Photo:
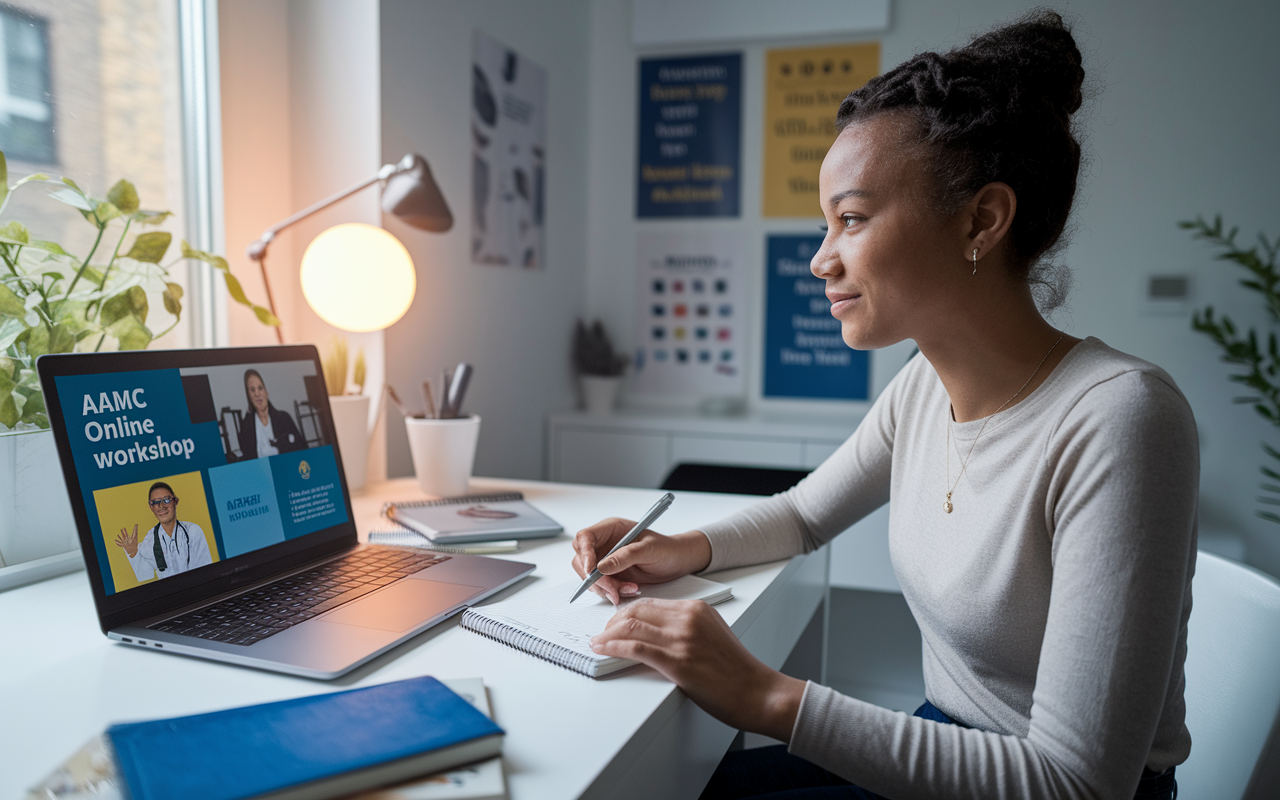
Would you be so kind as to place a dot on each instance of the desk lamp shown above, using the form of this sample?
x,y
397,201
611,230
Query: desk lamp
x,y
380,293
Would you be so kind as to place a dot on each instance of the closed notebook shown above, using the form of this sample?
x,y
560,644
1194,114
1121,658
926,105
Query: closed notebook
x,y
322,746
474,518
543,623
483,780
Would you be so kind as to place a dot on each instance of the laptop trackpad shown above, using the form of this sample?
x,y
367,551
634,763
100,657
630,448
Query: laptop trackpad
x,y
403,605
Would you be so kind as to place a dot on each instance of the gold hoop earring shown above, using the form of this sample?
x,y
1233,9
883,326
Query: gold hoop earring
x,y
975,261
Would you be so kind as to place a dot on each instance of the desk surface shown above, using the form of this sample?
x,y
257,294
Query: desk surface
x,y
62,681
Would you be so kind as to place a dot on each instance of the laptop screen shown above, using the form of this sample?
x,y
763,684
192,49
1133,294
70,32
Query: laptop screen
x,y
185,467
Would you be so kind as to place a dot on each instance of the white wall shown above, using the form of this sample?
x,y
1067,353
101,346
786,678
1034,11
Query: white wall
x,y
513,326
1183,123
301,121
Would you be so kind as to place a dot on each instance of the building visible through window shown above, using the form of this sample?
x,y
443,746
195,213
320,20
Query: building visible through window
x,y
26,113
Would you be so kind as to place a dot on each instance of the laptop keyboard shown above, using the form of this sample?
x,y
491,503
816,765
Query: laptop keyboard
x,y
255,615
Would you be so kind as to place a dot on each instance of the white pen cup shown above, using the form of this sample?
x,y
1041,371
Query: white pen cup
x,y
443,451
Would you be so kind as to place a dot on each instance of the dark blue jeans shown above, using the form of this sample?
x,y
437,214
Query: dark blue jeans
x,y
771,773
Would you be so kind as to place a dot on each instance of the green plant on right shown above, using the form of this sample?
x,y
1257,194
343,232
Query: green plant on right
x,y
1259,361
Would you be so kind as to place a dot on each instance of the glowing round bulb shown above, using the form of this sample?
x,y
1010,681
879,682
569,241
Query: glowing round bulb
x,y
358,277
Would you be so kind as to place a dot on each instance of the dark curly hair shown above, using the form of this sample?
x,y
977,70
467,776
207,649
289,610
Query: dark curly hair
x,y
997,109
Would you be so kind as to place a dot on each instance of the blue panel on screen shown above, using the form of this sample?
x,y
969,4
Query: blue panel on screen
x,y
309,494
247,507
804,354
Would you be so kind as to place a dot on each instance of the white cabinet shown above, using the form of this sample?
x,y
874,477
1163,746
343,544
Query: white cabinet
x,y
611,457
639,449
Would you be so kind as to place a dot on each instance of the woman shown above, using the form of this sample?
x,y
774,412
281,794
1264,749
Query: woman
x,y
171,547
266,430
1043,488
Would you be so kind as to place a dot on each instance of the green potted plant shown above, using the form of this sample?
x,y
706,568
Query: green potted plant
x,y
116,296
598,366
1255,353
351,422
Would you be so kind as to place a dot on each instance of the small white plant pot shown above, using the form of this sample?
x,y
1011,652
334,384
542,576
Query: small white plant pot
x,y
444,452
351,424
600,393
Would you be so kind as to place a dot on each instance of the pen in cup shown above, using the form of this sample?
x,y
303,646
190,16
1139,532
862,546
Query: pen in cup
x,y
428,400
656,511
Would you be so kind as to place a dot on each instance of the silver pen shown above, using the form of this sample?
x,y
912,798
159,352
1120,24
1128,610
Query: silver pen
x,y
662,505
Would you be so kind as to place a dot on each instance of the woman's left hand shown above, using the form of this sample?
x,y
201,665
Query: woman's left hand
x,y
689,643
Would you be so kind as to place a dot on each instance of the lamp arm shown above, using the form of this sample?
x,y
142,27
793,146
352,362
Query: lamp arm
x,y
257,250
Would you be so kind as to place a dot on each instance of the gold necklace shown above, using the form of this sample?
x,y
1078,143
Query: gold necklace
x,y
946,504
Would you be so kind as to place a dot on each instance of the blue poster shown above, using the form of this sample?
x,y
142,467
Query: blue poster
x,y
804,354
690,136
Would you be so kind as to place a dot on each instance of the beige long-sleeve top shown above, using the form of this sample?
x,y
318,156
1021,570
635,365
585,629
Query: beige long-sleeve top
x,y
1052,602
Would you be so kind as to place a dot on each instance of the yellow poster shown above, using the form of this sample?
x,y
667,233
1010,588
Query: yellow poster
x,y
803,90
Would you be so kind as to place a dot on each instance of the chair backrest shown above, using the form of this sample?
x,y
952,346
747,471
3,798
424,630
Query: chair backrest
x,y
1233,677
725,479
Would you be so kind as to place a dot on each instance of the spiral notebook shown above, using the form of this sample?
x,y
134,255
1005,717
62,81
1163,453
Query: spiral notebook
x,y
473,518
544,623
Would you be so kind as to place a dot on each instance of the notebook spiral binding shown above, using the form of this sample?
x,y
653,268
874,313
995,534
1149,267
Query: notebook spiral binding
x,y
496,497
527,643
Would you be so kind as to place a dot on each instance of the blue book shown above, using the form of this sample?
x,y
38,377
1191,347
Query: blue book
x,y
327,745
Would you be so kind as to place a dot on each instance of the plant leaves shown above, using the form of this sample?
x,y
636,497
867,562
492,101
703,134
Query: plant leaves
x,y
14,232
233,284
41,341
104,211
10,330
52,247
8,410
132,302
4,179
73,198
123,196
151,217
33,406
150,247
172,297
10,304
131,333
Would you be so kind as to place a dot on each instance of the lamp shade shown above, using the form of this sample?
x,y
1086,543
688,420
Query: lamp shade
x,y
358,277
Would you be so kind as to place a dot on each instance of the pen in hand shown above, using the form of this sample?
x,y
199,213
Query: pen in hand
x,y
662,505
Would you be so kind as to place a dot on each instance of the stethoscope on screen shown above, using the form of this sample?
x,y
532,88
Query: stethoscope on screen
x,y
162,565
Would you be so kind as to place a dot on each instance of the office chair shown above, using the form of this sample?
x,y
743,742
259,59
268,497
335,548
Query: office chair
x,y
1233,677
724,479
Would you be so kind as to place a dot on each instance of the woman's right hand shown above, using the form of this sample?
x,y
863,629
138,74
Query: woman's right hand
x,y
651,558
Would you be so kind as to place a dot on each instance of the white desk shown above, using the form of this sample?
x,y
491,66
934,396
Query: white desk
x,y
62,681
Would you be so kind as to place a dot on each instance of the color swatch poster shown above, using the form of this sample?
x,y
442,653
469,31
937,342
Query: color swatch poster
x,y
803,90
689,315
508,156
804,353
690,137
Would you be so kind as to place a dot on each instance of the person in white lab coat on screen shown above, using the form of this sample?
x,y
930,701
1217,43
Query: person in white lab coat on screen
x,y
171,547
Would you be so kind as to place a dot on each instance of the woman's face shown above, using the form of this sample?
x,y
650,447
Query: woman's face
x,y
890,262
257,393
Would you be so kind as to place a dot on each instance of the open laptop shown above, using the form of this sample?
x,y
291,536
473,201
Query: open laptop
x,y
214,515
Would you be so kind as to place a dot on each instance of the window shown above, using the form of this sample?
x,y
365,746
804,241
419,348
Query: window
x,y
26,115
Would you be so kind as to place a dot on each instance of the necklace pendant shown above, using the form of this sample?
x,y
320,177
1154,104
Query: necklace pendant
x,y
946,504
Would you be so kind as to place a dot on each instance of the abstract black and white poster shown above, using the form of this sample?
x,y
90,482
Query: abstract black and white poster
x,y
508,164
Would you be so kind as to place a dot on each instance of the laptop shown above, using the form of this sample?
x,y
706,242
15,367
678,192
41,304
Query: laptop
x,y
215,519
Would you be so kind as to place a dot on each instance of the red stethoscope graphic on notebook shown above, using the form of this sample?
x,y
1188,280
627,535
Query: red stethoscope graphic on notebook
x,y
481,512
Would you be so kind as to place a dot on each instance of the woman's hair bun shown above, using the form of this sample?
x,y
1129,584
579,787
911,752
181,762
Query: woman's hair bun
x,y
997,109
1038,59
